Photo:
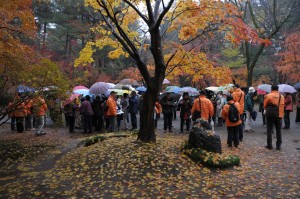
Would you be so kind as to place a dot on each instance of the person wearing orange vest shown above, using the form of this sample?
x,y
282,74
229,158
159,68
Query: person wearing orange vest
x,y
158,110
20,114
239,96
39,111
207,109
29,117
112,111
288,107
273,98
232,127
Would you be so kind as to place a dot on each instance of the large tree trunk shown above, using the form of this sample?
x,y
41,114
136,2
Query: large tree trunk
x,y
249,76
147,131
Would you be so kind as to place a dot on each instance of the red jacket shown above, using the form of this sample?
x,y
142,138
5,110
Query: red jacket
x,y
288,103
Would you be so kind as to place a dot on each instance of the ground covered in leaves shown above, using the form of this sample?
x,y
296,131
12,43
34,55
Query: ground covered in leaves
x,y
120,167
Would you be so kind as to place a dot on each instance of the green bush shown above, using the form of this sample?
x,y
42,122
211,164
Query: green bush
x,y
93,140
210,159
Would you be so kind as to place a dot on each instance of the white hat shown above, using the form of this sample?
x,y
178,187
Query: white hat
x,y
251,90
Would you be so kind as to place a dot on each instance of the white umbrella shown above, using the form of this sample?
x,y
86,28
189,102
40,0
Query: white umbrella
x,y
265,87
111,85
285,88
166,81
213,88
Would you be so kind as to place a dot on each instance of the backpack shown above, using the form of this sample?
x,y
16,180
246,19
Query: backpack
x,y
272,111
233,113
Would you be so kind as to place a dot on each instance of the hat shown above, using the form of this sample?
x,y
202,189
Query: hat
x,y
251,90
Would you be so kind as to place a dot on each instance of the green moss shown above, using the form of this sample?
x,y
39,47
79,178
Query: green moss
x,y
93,140
209,159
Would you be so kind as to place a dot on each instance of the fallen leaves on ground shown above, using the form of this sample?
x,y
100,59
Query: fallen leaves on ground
x,y
123,168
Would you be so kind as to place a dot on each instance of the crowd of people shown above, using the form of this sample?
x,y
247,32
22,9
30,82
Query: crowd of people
x,y
235,109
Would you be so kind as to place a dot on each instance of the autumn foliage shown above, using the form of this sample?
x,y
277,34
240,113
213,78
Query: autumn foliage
x,y
289,58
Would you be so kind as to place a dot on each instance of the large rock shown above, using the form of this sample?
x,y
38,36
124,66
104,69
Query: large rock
x,y
201,136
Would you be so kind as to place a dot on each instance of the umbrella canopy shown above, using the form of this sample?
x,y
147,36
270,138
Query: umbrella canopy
x,y
213,88
99,88
265,87
141,89
285,88
297,85
80,87
119,91
166,81
111,85
227,87
131,82
190,90
124,87
174,89
261,92
174,96
25,89
82,92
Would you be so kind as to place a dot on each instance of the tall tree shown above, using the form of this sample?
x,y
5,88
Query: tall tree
x,y
192,19
267,17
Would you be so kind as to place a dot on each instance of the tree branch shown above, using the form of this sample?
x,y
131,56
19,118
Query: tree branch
x,y
163,13
137,11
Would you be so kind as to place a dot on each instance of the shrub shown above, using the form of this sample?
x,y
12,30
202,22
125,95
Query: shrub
x,y
93,140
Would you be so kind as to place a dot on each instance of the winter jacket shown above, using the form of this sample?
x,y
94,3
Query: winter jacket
x,y
28,106
39,107
112,106
134,104
239,96
168,105
225,113
207,109
69,109
185,107
97,107
20,110
158,108
86,108
273,98
249,102
288,103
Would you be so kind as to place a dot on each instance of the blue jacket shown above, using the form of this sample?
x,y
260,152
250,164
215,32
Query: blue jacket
x,y
134,104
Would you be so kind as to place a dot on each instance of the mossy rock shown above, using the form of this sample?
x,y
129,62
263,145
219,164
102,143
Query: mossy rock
x,y
93,140
210,159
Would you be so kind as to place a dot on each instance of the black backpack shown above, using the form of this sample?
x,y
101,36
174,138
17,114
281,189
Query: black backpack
x,y
233,113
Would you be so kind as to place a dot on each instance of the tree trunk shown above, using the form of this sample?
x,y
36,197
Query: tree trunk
x,y
44,35
147,131
249,76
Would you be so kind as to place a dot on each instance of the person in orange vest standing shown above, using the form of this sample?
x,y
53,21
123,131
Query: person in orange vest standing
x,y
39,111
20,114
112,111
231,113
203,105
274,109
239,96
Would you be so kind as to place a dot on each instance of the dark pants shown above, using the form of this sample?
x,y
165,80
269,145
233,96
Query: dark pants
x,y
119,119
241,133
187,122
233,135
12,123
287,119
298,115
98,122
263,117
133,120
20,124
106,123
168,121
87,123
71,121
112,123
270,123
175,115
28,122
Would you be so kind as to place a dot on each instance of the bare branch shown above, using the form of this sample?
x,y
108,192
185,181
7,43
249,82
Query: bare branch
x,y
163,13
137,11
